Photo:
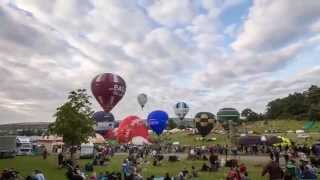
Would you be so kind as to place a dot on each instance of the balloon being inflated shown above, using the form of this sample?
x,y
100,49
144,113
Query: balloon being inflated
x,y
130,127
108,89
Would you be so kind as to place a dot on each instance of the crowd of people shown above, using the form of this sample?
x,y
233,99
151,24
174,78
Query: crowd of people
x,y
294,162
11,174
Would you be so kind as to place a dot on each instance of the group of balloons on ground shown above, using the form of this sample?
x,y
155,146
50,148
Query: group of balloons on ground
x,y
108,89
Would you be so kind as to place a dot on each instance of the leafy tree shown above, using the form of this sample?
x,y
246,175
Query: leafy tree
x,y
246,112
314,113
296,105
74,120
312,95
171,124
250,115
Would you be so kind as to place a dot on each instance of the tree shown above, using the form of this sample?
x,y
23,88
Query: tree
x,y
246,112
250,115
314,113
313,95
74,120
171,124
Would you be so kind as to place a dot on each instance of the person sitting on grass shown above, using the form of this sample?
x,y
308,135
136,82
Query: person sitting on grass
x,y
194,172
93,176
39,175
167,177
233,174
204,167
183,174
242,170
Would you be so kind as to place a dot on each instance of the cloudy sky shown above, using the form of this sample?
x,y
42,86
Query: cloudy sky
x,y
208,53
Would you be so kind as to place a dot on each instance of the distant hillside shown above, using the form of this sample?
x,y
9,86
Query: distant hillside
x,y
25,125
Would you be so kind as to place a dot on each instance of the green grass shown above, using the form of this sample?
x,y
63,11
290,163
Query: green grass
x,y
26,164
190,139
280,125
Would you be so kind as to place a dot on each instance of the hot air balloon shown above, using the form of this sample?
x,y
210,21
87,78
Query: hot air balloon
x,y
130,127
108,89
204,122
104,122
157,121
181,109
142,99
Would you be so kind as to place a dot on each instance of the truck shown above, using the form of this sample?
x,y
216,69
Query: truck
x,y
24,145
8,146
87,151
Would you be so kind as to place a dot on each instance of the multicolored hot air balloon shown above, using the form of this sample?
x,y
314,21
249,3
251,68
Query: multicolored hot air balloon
x,y
157,121
181,109
204,122
142,99
104,122
130,127
108,89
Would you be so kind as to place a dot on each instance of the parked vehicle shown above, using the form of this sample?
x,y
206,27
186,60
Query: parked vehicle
x,y
7,146
24,145
86,151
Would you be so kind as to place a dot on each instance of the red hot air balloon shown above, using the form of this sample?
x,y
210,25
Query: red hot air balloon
x,y
130,127
108,89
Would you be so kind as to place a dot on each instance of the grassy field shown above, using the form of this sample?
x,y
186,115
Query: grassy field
x,y
257,127
279,125
25,165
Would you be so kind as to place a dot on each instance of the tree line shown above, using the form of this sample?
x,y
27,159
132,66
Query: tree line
x,y
299,105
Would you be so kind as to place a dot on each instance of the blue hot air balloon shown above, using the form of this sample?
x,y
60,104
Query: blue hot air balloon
x,y
157,121
104,122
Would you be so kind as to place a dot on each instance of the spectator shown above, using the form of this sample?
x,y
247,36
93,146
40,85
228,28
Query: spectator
x,y
274,171
233,174
60,160
167,177
194,172
45,154
205,167
39,175
93,176
309,173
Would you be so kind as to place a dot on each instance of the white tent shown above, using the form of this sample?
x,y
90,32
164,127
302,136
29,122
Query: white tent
x,y
175,130
98,139
138,140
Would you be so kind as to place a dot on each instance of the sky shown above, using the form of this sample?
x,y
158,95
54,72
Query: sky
x,y
208,53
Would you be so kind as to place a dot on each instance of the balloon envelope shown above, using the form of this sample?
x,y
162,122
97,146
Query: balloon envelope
x,y
181,109
142,99
131,127
104,122
204,122
108,89
157,121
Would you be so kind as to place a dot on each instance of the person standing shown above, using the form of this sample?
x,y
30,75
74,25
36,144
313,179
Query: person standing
x,y
45,154
274,170
60,160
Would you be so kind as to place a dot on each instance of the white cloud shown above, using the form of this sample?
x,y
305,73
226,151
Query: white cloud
x,y
171,50
272,23
172,13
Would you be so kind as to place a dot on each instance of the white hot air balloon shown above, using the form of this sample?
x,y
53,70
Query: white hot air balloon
x,y
142,99
181,109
